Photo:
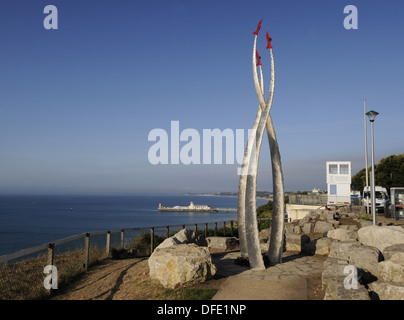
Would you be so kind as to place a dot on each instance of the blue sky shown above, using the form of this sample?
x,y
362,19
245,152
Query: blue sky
x,y
77,103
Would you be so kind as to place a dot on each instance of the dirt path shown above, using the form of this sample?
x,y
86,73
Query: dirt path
x,y
297,279
110,280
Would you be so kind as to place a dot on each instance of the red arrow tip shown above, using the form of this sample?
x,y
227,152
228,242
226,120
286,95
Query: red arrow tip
x,y
269,39
258,28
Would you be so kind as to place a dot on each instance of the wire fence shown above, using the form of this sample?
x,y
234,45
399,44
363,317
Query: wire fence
x,y
34,272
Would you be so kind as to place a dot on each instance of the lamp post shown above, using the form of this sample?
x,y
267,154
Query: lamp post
x,y
366,161
372,115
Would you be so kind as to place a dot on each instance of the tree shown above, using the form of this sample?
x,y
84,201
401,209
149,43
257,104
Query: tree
x,y
265,211
389,172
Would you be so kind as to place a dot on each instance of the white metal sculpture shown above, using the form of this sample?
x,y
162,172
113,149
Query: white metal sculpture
x,y
247,217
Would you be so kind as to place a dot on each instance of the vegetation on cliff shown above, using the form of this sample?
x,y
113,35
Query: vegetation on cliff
x,y
389,172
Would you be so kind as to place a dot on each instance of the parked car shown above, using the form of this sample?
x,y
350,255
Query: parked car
x,y
381,197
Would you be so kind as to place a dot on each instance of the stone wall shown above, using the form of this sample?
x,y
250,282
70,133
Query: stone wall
x,y
364,261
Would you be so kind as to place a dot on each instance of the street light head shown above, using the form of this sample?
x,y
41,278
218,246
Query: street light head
x,y
372,115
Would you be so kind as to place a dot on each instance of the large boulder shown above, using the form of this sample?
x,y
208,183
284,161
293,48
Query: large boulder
x,y
386,291
307,227
322,226
381,236
364,257
289,227
389,251
349,227
181,237
185,236
222,243
343,234
180,264
319,246
337,291
392,270
296,242
341,281
364,223
264,235
333,268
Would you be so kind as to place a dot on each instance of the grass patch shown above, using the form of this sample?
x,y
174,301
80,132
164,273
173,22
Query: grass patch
x,y
187,294
23,280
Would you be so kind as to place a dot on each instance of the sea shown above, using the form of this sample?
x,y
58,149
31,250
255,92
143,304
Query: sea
x,y
31,220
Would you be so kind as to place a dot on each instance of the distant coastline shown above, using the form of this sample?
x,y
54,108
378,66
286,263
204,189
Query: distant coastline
x,y
227,194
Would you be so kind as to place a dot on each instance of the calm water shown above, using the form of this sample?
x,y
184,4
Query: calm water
x,y
30,220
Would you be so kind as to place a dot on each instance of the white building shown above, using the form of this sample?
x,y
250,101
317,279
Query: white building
x,y
339,182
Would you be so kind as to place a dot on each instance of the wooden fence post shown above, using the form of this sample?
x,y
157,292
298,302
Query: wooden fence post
x,y
224,228
215,228
206,230
151,240
50,259
231,228
122,243
51,254
86,251
108,245
196,229
167,232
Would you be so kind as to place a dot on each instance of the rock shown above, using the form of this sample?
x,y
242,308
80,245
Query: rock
x,y
297,230
349,227
169,242
392,270
181,264
364,223
185,236
319,246
328,216
386,291
342,235
336,291
307,227
289,227
296,242
222,243
364,257
333,268
352,215
335,223
264,235
322,226
389,251
313,215
181,237
381,236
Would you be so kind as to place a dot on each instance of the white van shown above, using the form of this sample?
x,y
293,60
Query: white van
x,y
381,197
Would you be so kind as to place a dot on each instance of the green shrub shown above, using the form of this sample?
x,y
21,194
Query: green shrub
x,y
141,243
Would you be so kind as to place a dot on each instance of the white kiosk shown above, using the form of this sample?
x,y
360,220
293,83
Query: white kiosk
x,y
339,182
